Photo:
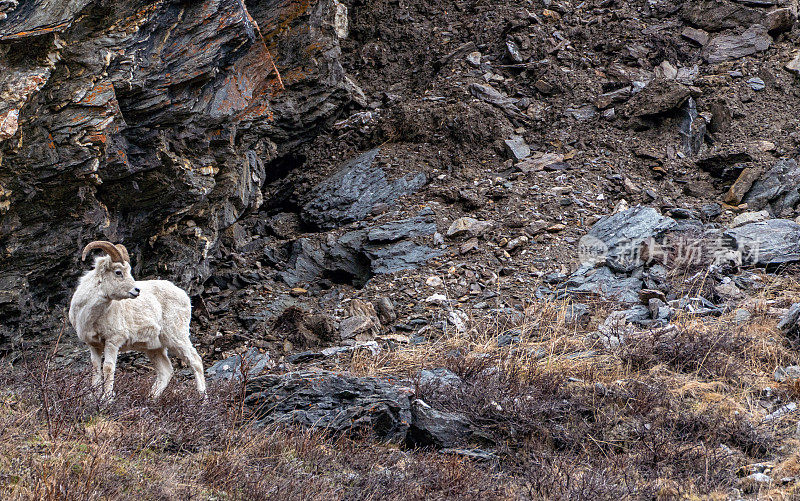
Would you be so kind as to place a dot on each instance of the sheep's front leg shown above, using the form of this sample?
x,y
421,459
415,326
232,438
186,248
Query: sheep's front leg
x,y
163,371
97,366
109,366
189,354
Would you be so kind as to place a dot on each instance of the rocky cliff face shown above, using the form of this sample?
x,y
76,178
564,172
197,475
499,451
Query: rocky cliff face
x,y
150,123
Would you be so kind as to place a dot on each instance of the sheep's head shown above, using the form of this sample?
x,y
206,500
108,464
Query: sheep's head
x,y
113,271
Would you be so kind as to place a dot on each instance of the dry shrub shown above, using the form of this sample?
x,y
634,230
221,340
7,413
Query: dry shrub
x,y
182,447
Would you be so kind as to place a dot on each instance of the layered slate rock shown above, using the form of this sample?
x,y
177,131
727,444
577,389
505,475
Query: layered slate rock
x,y
734,46
334,402
611,254
351,193
356,256
621,234
150,123
344,404
776,241
777,190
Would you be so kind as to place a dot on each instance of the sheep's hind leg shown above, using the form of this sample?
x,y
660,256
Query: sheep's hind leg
x,y
163,371
189,354
110,353
96,355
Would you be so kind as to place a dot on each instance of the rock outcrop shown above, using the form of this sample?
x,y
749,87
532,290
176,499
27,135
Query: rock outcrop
x,y
152,123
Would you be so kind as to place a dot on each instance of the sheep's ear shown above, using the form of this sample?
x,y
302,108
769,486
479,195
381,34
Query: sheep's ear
x,y
102,263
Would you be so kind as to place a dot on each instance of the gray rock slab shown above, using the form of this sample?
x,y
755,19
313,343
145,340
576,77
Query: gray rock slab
x,y
727,47
775,241
619,235
335,402
231,367
351,193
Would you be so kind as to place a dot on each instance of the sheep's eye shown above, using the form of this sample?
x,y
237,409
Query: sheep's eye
x,y
118,273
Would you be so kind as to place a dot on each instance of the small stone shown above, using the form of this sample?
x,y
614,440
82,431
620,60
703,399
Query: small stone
x,y
749,217
540,161
582,113
793,66
506,340
556,228
576,314
517,148
609,114
513,53
699,37
604,101
474,59
437,299
711,211
741,316
464,225
781,411
666,71
459,320
780,20
306,356
759,478
298,291
433,282
756,84
385,310
742,185
646,295
515,243
732,46
784,374
439,377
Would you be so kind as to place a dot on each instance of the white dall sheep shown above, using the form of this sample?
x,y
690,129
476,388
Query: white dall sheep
x,y
111,311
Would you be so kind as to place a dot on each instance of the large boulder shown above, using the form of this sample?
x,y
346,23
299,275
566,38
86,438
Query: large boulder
x,y
351,193
150,123
344,404
618,237
777,190
775,241
336,402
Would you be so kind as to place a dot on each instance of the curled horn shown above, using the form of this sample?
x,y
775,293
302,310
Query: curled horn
x,y
107,247
123,252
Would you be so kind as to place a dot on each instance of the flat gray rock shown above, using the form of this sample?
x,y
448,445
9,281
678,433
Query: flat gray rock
x,y
441,429
727,47
231,368
777,189
404,228
619,236
604,282
351,193
335,402
775,241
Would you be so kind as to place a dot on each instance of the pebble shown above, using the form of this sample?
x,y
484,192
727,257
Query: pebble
x,y
759,478
433,282
474,58
749,217
436,298
517,148
756,84
790,373
513,52
742,316
515,243
468,225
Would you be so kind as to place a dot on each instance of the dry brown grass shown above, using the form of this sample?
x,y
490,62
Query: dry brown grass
x,y
670,414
